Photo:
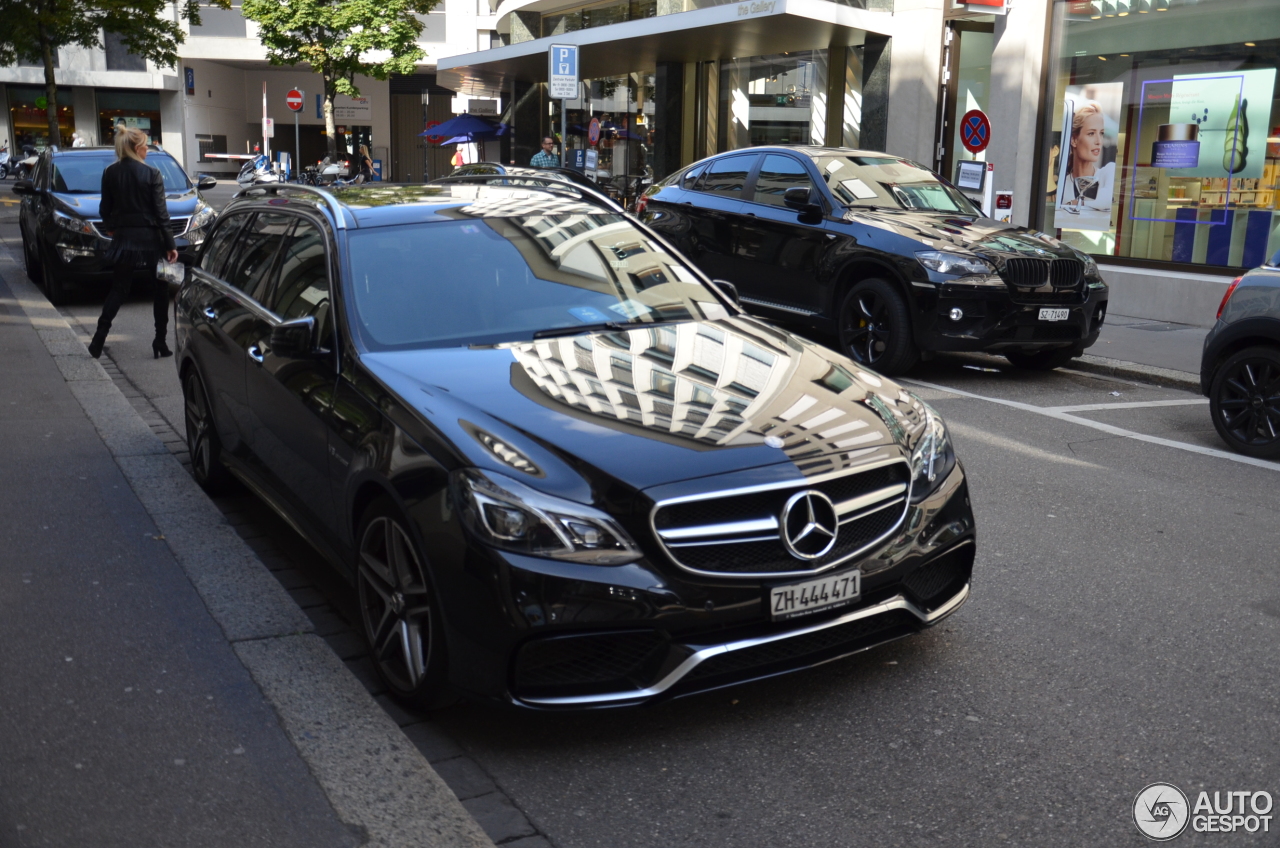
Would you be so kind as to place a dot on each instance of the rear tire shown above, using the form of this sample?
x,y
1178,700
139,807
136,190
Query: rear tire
x,y
1244,400
399,610
1043,360
203,445
875,328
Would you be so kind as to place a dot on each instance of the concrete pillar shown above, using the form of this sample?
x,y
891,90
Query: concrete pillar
x,y
173,126
85,107
876,88
525,26
1017,62
668,117
914,80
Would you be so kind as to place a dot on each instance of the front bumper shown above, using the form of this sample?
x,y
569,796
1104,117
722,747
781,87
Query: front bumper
x,y
993,320
575,637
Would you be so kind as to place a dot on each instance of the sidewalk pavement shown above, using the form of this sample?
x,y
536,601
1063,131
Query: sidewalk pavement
x,y
160,687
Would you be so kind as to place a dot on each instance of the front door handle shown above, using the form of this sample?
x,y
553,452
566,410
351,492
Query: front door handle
x,y
255,353
211,313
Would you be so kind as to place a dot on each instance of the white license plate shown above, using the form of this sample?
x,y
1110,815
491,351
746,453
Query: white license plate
x,y
813,595
1054,314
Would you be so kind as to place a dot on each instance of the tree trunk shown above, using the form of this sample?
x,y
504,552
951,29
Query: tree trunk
x,y
50,87
331,131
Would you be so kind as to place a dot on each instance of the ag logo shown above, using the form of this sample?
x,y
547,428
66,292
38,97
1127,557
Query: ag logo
x,y
1160,811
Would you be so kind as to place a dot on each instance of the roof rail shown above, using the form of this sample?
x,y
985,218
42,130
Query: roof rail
x,y
335,207
551,181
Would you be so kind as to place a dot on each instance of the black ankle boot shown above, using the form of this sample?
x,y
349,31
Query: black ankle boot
x,y
95,346
159,349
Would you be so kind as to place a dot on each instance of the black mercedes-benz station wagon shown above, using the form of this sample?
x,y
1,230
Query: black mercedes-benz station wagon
x,y
881,252
561,467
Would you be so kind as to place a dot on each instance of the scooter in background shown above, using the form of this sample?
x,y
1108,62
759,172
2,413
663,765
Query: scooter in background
x,y
257,172
22,170
6,164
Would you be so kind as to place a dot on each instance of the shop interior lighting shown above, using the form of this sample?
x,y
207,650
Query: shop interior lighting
x,y
1250,44
1108,9
1122,8
1142,7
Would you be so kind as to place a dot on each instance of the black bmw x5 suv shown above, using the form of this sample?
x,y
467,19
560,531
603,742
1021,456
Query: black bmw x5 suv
x,y
881,252
561,468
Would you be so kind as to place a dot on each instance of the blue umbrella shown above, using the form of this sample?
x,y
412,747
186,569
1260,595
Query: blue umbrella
x,y
462,125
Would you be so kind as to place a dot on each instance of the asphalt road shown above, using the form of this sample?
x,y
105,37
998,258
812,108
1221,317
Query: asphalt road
x,y
1121,631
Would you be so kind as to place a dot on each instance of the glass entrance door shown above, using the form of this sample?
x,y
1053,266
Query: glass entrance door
x,y
967,60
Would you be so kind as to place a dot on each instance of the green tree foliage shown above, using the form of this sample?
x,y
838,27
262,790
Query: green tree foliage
x,y
33,31
340,39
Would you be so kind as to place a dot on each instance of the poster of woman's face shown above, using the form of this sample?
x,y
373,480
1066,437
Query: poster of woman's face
x,y
1087,163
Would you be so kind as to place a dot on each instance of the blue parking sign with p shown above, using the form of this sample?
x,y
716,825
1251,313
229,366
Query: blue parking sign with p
x,y
562,71
566,62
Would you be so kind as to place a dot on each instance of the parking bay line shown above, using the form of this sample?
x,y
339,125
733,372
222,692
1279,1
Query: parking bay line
x,y
1142,404
1056,412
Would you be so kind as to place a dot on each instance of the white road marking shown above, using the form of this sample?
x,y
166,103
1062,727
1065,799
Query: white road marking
x,y
1052,412
1091,407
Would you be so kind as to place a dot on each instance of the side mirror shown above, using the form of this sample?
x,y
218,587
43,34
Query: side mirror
x,y
206,182
727,289
23,187
797,198
293,339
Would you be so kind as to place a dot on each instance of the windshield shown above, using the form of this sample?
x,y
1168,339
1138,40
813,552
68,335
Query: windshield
x,y
890,183
491,280
82,173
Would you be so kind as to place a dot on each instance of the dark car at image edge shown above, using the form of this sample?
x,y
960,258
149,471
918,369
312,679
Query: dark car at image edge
x,y
561,468
881,253
64,244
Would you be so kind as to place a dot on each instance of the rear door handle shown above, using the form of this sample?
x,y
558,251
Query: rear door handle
x,y
211,313
255,353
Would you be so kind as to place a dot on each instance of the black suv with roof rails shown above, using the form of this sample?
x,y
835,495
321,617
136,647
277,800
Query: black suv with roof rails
x,y
883,253
561,468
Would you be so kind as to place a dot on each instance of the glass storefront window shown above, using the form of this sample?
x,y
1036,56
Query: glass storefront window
x,y
623,106
1163,141
779,99
597,15
131,109
29,119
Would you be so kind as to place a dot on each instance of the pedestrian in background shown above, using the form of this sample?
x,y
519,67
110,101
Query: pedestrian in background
x,y
77,140
546,157
136,217
366,164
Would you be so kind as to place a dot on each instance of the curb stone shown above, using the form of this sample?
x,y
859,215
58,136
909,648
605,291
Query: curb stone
x,y
1166,377
373,775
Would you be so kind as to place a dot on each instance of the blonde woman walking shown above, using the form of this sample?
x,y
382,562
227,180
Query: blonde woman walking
x,y
136,217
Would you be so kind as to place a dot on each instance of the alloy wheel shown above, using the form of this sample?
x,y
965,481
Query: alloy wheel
x,y
1248,403
867,329
199,424
395,604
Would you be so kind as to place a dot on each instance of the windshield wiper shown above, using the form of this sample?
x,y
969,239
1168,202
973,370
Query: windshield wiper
x,y
581,328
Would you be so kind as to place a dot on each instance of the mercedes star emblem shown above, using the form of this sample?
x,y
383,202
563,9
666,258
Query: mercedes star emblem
x,y
809,524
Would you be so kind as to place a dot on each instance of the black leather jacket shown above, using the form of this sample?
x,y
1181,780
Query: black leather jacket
x,y
133,205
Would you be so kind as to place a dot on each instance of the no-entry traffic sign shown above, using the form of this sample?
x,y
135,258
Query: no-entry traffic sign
x,y
294,99
975,131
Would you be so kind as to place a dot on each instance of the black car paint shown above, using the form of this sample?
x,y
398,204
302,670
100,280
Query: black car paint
x,y
754,246
42,236
397,424
1250,318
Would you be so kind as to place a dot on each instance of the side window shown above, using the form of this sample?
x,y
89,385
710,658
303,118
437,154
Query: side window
x,y
692,176
220,243
302,286
250,264
727,176
777,174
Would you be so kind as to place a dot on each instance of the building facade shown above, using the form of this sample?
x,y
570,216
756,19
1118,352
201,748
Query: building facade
x,y
213,101
1145,132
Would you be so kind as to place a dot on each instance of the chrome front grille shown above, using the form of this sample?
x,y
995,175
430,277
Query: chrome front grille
x,y
177,226
738,533
1034,273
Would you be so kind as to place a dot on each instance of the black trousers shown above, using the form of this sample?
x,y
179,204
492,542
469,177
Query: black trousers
x,y
121,283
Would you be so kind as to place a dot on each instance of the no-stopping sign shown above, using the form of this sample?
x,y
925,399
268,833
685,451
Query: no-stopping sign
x,y
975,131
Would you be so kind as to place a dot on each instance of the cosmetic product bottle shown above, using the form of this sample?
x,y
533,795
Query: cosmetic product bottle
x,y
1176,146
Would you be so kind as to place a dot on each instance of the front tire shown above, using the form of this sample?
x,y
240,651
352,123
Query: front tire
x,y
1244,400
875,328
29,263
399,611
54,287
1042,360
203,445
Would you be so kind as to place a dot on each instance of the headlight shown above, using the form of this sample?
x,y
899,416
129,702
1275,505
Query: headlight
x,y
953,263
203,217
933,458
509,515
75,225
